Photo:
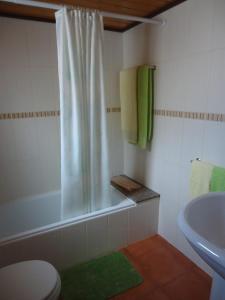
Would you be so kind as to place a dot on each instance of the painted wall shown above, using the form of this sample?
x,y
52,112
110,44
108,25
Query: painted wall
x,y
30,148
189,52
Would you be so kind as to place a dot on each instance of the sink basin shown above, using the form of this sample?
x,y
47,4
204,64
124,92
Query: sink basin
x,y
203,223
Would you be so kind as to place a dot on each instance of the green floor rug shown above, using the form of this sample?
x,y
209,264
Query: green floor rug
x,y
100,278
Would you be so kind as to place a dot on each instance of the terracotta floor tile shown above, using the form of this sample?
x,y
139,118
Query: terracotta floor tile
x,y
187,263
188,286
203,275
140,292
141,268
147,245
158,295
143,294
167,273
161,265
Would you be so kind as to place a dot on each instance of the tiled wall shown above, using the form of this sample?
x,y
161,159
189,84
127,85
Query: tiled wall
x,y
189,52
113,50
30,147
83,241
29,105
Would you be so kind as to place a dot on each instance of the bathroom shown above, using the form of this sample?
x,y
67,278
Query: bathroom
x,y
187,50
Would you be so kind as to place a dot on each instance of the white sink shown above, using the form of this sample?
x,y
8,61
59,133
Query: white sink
x,y
203,223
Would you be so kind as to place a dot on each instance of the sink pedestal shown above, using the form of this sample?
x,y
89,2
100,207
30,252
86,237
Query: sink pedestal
x,y
202,222
218,288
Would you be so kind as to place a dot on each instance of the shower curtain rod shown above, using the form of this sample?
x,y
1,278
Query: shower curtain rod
x,y
103,13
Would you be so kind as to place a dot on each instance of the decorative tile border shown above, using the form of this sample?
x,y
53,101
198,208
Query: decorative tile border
x,y
25,115
113,109
158,112
41,114
190,115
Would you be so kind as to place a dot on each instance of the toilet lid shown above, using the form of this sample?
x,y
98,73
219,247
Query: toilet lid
x,y
27,280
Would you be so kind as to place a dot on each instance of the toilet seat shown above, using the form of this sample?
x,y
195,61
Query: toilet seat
x,y
29,280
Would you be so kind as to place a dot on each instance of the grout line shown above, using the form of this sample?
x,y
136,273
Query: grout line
x,y
86,241
128,227
108,234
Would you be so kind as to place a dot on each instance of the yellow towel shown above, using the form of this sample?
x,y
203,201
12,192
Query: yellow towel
x,y
128,99
200,178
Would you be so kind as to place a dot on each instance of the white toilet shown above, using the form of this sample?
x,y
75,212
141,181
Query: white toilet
x,y
29,280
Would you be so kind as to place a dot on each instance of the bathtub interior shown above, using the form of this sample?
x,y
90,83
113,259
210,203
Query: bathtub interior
x,y
41,212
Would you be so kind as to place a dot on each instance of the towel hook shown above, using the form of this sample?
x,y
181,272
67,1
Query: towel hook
x,y
198,159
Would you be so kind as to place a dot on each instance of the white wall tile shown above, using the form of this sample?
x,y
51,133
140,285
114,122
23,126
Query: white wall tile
x,y
30,148
174,33
214,145
218,39
200,20
31,165
43,247
29,82
173,138
15,89
167,83
189,54
44,85
97,237
134,160
14,47
152,176
134,44
216,84
41,41
192,140
159,138
184,192
155,43
115,143
196,82
10,254
25,139
118,230
142,222
73,245
113,50
7,133
169,201
113,43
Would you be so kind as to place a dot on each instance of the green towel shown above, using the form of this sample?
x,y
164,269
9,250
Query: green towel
x,y
128,100
145,99
200,178
151,104
217,183
143,105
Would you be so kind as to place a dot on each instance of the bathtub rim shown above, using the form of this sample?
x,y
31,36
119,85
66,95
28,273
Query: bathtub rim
x,y
125,204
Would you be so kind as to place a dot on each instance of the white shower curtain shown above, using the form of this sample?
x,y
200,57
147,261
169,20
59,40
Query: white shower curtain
x,y
84,153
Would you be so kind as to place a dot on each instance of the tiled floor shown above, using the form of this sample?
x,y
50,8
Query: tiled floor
x,y
168,275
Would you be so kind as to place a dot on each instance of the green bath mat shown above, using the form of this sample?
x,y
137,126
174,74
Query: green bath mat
x,y
100,278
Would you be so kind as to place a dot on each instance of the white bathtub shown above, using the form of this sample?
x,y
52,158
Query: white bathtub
x,y
30,228
35,214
